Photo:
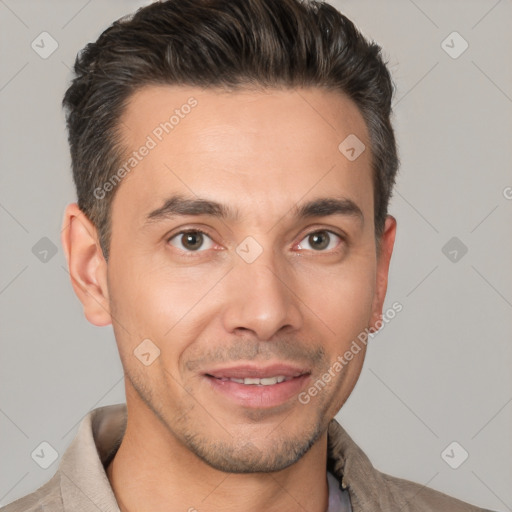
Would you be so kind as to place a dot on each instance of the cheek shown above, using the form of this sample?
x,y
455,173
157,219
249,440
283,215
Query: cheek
x,y
341,296
141,301
157,302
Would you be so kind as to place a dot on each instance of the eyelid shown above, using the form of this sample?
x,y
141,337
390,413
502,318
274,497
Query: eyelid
x,y
189,229
342,236
184,231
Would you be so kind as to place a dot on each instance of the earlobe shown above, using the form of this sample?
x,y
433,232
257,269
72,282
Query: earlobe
x,y
387,242
87,266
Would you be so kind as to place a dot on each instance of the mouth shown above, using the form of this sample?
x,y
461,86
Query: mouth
x,y
253,381
257,387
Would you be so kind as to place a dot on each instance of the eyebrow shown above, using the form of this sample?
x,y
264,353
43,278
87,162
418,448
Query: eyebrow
x,y
181,206
178,205
326,206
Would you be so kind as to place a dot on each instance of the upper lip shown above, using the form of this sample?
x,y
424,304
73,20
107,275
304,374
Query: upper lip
x,y
257,372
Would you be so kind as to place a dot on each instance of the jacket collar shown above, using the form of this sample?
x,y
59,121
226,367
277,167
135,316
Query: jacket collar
x,y
84,480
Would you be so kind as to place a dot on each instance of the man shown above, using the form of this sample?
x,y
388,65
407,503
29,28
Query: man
x,y
233,162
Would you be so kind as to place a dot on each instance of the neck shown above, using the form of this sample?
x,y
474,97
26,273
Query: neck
x,y
153,471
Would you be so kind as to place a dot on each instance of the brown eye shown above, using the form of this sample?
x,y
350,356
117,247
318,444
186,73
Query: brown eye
x,y
191,241
320,241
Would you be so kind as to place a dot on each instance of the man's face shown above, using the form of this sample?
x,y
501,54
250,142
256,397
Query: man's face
x,y
252,307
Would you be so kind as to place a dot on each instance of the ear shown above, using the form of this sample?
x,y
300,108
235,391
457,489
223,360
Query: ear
x,y
87,266
385,250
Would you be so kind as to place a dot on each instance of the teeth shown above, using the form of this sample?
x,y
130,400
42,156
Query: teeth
x,y
267,381
249,380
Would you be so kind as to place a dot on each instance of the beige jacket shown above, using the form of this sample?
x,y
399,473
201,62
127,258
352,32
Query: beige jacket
x,y
81,484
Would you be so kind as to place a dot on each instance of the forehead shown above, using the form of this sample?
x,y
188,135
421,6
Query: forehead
x,y
265,149
301,112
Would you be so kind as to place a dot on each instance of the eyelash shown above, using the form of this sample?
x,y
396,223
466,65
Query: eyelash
x,y
342,238
336,250
184,232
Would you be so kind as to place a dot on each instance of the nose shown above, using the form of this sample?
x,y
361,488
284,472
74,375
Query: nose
x,y
261,300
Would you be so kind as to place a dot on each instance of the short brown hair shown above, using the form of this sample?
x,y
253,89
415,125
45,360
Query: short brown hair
x,y
221,43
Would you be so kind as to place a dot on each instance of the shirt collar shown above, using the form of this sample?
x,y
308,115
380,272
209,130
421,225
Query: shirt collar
x,y
84,480
83,477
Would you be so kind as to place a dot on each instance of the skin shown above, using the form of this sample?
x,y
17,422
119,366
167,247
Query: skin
x,y
301,302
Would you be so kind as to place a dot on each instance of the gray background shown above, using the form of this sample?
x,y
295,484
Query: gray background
x,y
438,373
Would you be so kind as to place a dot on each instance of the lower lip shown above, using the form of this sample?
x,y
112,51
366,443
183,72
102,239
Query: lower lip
x,y
257,396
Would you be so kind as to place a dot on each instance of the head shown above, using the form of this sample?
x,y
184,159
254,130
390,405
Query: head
x,y
222,227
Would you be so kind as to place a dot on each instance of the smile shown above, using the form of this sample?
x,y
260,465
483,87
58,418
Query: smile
x,y
251,381
257,387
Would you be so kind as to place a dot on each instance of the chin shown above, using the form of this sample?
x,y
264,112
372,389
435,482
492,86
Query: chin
x,y
246,457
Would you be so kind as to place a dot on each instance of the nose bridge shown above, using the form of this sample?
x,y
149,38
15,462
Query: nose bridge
x,y
260,298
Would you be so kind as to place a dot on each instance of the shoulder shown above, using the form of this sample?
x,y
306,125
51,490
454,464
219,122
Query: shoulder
x,y
47,498
370,489
419,498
